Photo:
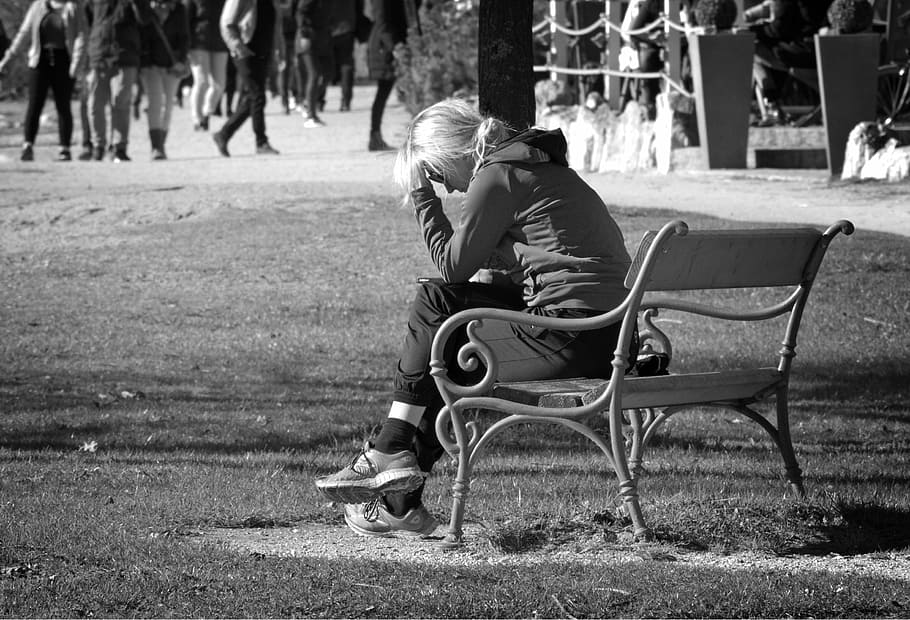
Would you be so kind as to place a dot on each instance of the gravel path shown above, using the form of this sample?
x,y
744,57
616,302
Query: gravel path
x,y
329,542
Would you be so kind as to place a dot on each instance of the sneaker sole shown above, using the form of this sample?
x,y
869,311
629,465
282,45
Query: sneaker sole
x,y
362,491
394,533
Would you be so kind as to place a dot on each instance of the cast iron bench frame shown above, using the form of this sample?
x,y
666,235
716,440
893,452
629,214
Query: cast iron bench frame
x,y
670,260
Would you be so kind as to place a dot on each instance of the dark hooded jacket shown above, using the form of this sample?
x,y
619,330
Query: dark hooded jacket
x,y
527,206
114,38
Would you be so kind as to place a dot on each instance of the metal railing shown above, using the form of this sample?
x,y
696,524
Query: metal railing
x,y
610,26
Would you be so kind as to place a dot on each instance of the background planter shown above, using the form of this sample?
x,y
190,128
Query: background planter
x,y
847,78
722,72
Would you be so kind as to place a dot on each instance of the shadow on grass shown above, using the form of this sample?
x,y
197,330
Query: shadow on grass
x,y
861,528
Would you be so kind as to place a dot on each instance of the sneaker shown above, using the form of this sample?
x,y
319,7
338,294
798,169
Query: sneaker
x,y
120,156
221,143
86,154
374,519
98,153
372,474
311,122
158,154
64,155
345,107
266,149
28,153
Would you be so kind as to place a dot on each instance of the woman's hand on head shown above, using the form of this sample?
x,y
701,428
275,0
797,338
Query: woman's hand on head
x,y
420,179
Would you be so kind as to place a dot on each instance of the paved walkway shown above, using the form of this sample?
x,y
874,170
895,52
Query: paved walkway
x,y
334,159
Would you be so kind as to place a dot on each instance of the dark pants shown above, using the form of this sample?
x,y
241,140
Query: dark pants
x,y
383,90
523,353
52,73
287,77
252,74
343,56
649,60
313,70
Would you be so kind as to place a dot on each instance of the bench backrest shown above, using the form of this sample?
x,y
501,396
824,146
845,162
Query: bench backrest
x,y
728,259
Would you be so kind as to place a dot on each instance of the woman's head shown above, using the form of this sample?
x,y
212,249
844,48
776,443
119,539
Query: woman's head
x,y
447,142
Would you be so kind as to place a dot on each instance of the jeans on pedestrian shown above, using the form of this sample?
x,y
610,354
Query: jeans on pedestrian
x,y
252,73
111,87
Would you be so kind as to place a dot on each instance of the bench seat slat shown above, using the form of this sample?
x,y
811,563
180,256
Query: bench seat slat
x,y
642,392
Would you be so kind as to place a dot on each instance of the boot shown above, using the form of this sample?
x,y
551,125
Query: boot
x,y
156,137
377,143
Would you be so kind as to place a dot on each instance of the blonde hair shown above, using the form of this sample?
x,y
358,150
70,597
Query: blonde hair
x,y
442,134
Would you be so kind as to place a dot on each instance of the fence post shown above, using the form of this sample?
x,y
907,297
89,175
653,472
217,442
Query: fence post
x,y
614,46
673,61
559,41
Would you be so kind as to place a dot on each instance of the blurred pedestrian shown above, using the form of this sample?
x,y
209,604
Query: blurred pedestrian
x,y
113,54
252,31
391,20
164,63
54,31
342,18
314,55
208,59
288,86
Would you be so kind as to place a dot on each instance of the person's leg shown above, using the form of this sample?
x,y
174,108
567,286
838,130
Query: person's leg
x,y
200,70
99,89
38,85
383,90
255,92
522,352
122,83
302,78
151,80
311,88
170,84
84,121
344,62
649,61
242,111
218,62
62,85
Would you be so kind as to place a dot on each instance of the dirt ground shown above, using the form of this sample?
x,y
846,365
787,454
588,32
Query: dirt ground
x,y
44,205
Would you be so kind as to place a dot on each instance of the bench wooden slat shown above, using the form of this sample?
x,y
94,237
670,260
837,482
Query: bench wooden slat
x,y
641,392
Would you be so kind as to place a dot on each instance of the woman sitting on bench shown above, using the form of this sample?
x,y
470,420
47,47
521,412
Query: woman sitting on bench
x,y
564,256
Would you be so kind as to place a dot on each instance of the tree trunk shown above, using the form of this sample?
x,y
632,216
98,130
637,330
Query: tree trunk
x,y
505,66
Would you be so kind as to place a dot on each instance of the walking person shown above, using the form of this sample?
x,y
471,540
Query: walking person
x,y
391,19
113,54
54,31
314,57
165,45
342,23
566,258
208,59
252,31
287,78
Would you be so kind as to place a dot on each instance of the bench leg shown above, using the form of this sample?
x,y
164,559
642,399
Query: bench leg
x,y
460,489
785,444
628,485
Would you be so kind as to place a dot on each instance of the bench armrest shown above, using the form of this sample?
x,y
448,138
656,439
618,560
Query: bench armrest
x,y
476,350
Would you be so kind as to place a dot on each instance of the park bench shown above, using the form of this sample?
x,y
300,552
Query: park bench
x,y
674,269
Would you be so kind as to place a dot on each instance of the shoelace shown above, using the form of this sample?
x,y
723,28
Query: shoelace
x,y
371,510
371,467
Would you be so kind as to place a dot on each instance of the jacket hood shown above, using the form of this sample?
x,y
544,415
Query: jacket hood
x,y
532,146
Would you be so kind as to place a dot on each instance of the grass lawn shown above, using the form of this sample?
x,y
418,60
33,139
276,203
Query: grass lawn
x,y
162,377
